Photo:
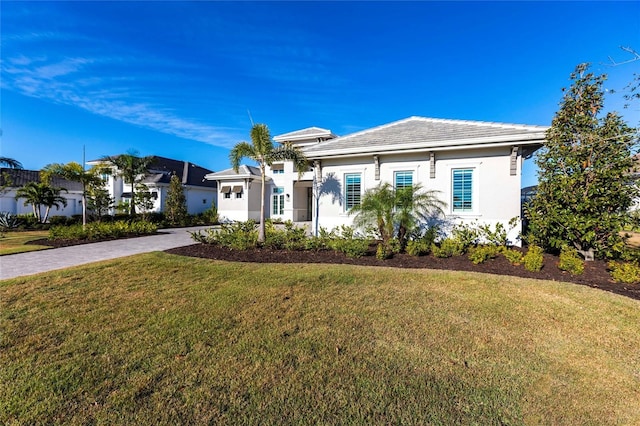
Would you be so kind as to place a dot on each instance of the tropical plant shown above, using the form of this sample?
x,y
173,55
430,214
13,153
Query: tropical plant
x,y
176,204
41,194
390,211
132,169
585,189
10,163
75,172
262,151
99,201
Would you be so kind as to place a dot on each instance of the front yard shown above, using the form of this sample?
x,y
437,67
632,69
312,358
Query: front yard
x,y
163,339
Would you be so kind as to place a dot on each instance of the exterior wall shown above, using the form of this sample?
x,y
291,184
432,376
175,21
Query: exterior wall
x,y
199,199
8,203
496,194
295,193
239,209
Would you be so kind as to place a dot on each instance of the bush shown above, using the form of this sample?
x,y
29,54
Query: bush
x,y
625,272
418,247
533,260
447,248
466,236
290,238
483,253
96,231
384,251
513,256
64,220
321,242
8,221
347,242
238,236
570,261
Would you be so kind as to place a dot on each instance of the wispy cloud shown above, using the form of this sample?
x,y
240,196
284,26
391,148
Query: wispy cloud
x,y
70,81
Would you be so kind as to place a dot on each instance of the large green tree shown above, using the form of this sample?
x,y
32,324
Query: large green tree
x,y
176,204
132,169
262,151
39,195
396,212
584,183
75,172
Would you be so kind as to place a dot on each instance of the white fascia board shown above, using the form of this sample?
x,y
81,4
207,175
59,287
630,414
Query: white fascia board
x,y
489,142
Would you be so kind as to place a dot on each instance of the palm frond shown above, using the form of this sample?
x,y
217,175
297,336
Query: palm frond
x,y
242,150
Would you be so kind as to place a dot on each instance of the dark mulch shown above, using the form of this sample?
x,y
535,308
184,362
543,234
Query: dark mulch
x,y
69,243
595,275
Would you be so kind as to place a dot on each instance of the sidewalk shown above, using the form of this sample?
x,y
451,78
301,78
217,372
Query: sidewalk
x,y
16,265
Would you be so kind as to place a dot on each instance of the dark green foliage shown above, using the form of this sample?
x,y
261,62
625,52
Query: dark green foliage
x,y
176,203
483,253
288,237
237,236
625,272
534,260
64,220
584,189
570,261
100,230
465,236
8,221
347,242
447,248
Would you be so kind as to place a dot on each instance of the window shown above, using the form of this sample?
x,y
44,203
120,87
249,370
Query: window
x,y
352,189
237,189
403,179
462,190
227,195
238,194
277,205
277,169
226,190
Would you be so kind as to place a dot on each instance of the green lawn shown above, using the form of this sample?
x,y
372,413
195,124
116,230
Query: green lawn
x,y
16,242
162,339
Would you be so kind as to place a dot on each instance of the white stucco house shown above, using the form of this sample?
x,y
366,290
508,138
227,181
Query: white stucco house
x,y
13,179
476,167
199,192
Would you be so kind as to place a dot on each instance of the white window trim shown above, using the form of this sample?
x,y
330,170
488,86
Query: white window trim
x,y
345,211
475,188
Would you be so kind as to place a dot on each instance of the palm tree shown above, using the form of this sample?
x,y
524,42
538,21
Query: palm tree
x,y
74,172
10,162
40,194
132,170
389,210
415,206
262,151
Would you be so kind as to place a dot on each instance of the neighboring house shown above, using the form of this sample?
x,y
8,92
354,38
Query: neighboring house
x,y
12,179
476,167
199,193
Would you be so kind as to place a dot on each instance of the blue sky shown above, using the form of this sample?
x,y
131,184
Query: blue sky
x,y
177,79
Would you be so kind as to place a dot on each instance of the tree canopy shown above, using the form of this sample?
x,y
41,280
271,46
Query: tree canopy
x,y
585,185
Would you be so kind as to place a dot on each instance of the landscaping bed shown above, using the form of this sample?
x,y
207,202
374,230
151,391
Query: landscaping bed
x,y
595,274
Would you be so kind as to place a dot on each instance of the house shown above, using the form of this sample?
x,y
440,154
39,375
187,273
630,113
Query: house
x,y
475,166
238,193
13,179
200,194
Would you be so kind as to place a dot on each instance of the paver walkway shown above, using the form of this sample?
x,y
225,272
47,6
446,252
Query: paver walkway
x,y
16,265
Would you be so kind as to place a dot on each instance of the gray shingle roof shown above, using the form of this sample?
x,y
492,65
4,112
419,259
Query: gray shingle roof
x,y
244,171
421,133
304,133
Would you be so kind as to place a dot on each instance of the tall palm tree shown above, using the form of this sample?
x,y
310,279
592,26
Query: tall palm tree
x,y
74,172
10,163
132,169
400,210
262,151
40,194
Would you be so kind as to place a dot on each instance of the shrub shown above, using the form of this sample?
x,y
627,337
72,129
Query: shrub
x,y
238,235
483,253
466,236
384,251
63,221
418,247
533,260
321,242
570,261
290,238
101,230
347,242
447,248
625,272
513,256
8,221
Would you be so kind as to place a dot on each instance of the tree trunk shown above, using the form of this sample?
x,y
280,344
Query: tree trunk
x,y
589,255
84,206
261,233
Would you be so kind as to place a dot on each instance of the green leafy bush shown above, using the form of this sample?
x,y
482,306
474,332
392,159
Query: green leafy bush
x,y
8,221
625,272
102,230
346,241
290,237
467,236
513,256
447,248
483,253
418,247
534,260
238,235
570,261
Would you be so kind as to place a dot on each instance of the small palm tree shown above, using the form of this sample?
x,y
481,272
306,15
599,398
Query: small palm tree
x,y
39,194
389,210
132,169
262,151
10,162
74,172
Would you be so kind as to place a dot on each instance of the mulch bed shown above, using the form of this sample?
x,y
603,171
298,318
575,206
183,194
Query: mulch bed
x,y
595,274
